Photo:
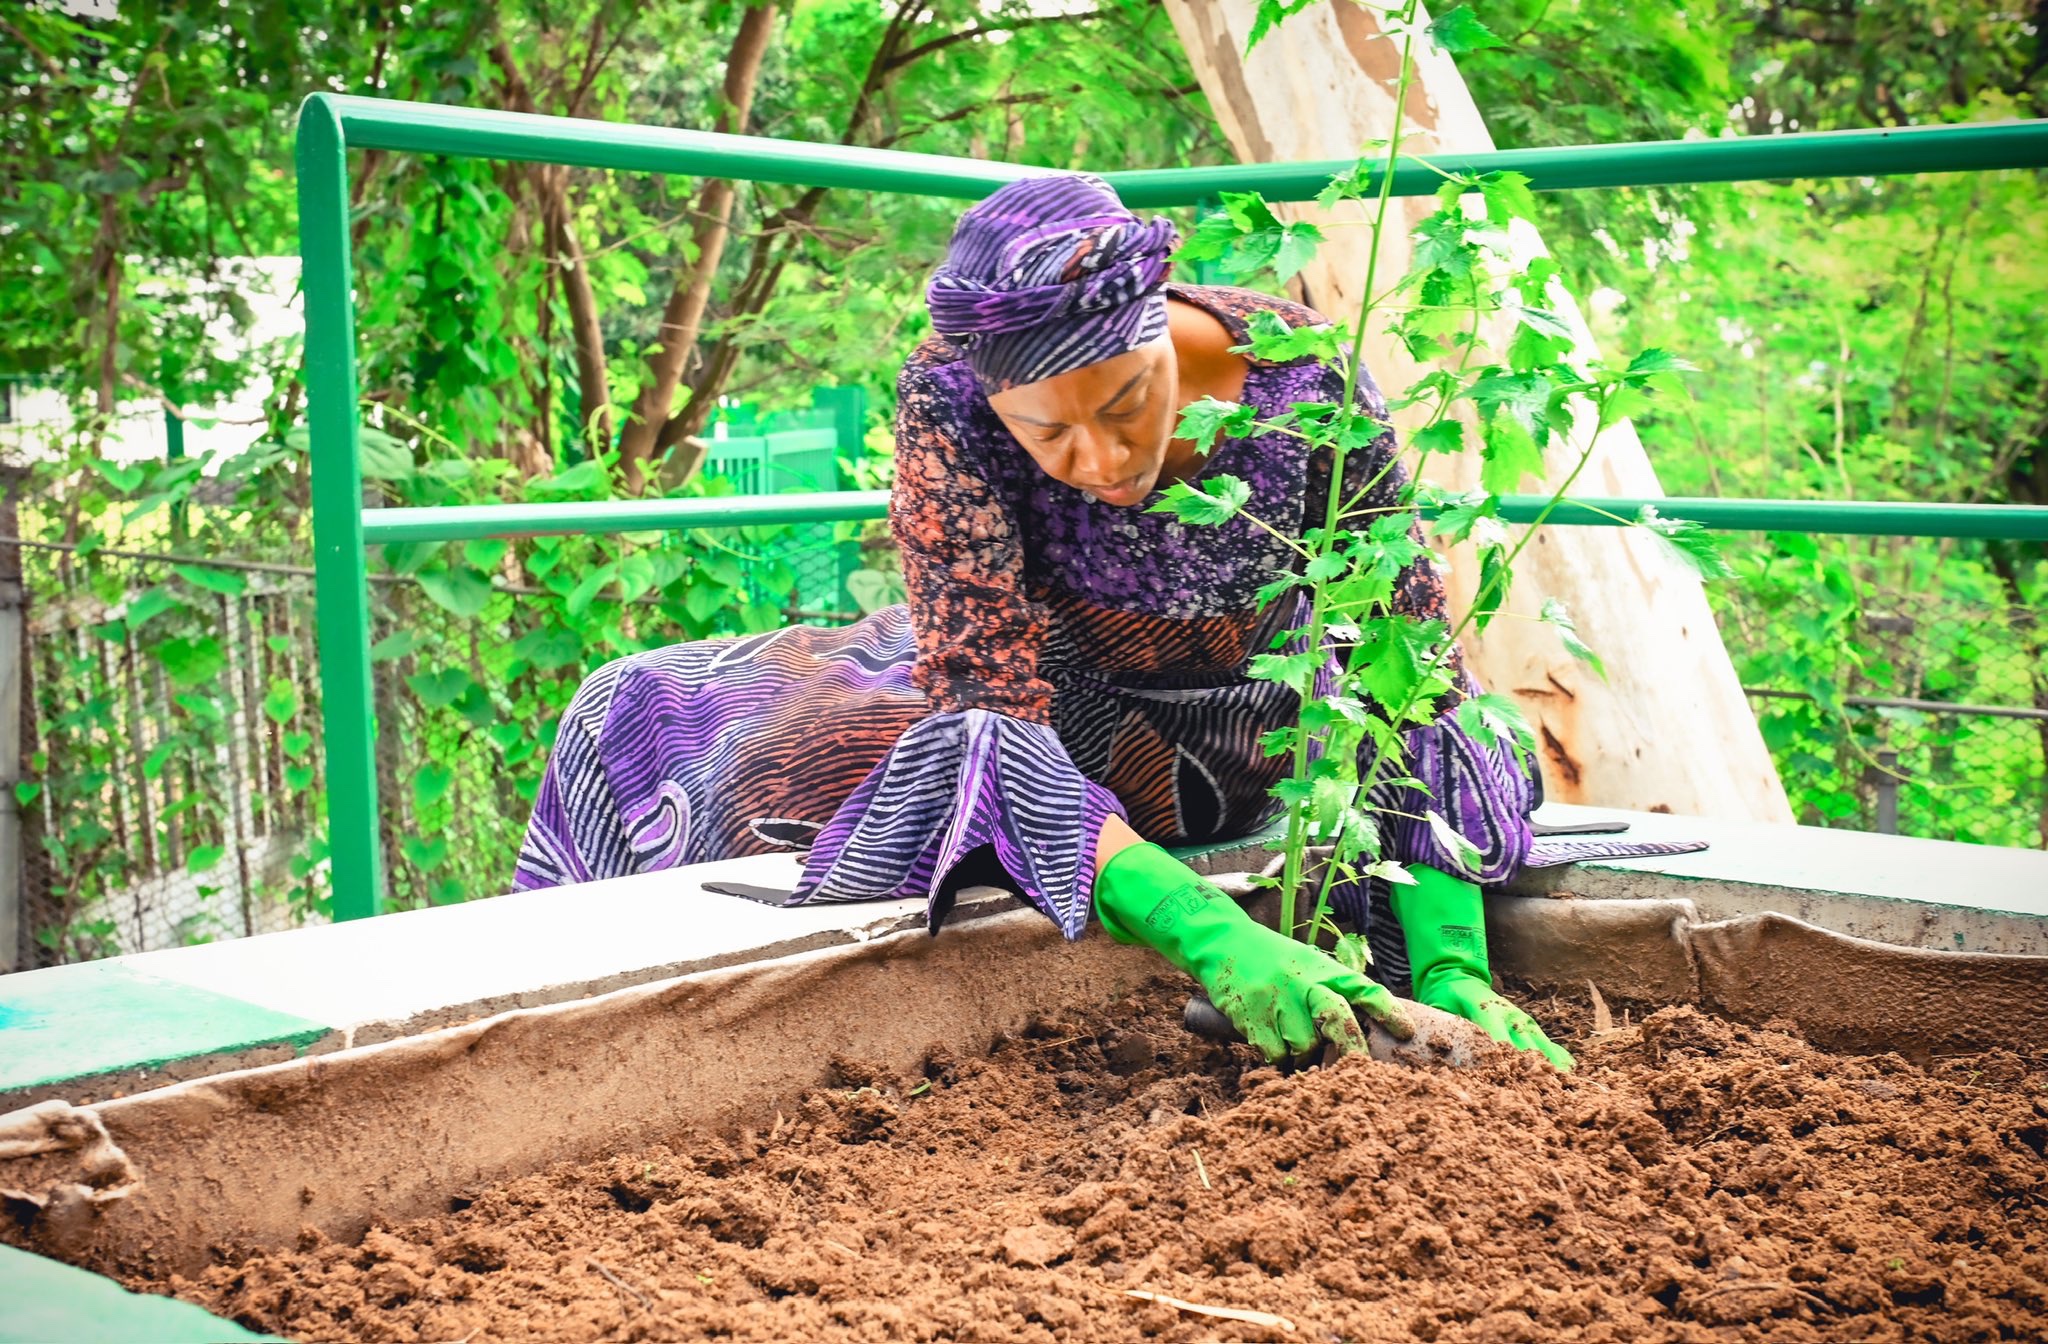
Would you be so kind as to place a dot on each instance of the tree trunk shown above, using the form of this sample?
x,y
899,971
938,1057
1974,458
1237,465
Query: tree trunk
x,y
1670,730
593,383
683,317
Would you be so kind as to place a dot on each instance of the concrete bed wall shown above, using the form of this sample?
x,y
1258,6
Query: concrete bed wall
x,y
530,1049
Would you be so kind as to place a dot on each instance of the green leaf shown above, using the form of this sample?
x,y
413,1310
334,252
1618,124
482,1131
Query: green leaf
x,y
475,705
27,791
1207,420
1443,436
1493,586
1189,503
1507,197
298,778
1352,952
1354,183
282,703
1466,853
550,646
383,457
1507,456
225,581
430,784
1689,542
204,857
438,690
126,479
1492,718
153,765
425,855
1392,661
586,592
1653,362
1296,249
395,645
585,480
1459,515
191,662
1326,566
296,744
151,603
1555,613
1279,587
1270,14
1460,31
463,591
1296,670
485,553
1272,339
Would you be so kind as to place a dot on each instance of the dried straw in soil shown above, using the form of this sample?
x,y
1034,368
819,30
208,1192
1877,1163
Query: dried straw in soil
x,y
1693,1181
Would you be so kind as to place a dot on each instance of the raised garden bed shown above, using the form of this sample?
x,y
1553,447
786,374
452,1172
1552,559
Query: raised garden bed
x,y
1694,1180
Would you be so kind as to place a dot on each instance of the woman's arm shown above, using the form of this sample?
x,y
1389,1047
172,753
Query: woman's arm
x,y
978,633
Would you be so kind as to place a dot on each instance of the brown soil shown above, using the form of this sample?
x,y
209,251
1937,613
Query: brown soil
x,y
1694,1180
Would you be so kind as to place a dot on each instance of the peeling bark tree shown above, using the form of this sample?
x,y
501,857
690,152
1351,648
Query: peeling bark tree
x,y
1670,730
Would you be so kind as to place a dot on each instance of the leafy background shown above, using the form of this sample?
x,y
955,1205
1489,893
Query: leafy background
x,y
1870,339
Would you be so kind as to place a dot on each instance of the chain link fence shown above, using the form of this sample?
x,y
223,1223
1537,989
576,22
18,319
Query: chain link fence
x,y
1935,725
168,729
170,791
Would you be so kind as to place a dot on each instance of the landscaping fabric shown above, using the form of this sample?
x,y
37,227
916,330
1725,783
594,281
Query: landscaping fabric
x,y
1694,1180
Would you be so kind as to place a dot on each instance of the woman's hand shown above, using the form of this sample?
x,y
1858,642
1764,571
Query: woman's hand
x,y
1444,918
1286,997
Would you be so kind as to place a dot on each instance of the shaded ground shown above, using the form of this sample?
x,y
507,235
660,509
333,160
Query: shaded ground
x,y
1693,1181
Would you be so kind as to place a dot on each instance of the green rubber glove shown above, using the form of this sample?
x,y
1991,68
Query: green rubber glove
x,y
1285,996
1445,920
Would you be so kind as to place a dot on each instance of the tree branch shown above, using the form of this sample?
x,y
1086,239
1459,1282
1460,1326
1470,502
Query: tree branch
x,y
682,317
983,30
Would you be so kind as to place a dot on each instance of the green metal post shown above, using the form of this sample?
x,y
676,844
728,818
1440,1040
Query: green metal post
x,y
341,582
849,407
172,376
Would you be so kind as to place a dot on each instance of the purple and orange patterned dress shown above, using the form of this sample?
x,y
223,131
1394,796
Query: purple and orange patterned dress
x,y
1058,660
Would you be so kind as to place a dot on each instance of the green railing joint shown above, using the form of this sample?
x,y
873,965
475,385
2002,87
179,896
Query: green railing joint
x,y
331,124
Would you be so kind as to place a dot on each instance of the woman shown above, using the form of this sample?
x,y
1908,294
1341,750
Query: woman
x,y
1066,685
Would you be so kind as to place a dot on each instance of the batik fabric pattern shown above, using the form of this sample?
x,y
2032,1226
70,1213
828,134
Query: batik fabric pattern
x,y
1058,660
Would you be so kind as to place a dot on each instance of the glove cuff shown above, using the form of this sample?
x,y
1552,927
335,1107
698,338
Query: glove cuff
x,y
1444,921
1145,895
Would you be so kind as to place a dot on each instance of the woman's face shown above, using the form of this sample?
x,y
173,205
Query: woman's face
x,y
1103,428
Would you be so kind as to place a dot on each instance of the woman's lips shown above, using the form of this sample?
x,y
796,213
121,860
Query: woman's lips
x,y
1124,493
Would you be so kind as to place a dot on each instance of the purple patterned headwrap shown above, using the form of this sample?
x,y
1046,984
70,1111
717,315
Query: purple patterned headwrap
x,y
1049,275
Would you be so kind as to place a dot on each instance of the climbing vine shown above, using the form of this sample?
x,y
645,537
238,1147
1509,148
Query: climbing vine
x,y
1392,671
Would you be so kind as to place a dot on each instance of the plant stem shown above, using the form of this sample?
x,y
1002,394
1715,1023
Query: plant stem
x,y
1298,810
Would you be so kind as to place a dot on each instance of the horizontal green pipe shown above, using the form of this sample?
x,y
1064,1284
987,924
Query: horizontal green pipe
x,y
2011,522
2008,522
429,128
1916,149
382,123
468,521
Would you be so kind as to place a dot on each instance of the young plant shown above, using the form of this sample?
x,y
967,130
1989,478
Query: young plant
x,y
1365,674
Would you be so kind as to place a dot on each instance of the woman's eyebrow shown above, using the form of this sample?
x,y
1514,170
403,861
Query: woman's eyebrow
x,y
1120,391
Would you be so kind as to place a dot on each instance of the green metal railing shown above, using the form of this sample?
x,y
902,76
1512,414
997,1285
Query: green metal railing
x,y
330,125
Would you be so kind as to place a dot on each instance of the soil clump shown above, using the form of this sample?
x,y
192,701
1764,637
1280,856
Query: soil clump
x,y
1694,1180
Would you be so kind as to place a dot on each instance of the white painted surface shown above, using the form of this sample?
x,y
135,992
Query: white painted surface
x,y
525,948
1829,862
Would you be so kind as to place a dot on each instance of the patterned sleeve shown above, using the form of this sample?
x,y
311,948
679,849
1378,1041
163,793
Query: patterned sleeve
x,y
986,771
978,633
1484,792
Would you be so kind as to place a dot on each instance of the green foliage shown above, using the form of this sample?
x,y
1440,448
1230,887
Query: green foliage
x,y
1395,669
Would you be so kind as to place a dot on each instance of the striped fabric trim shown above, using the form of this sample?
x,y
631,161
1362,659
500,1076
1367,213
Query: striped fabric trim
x,y
952,784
